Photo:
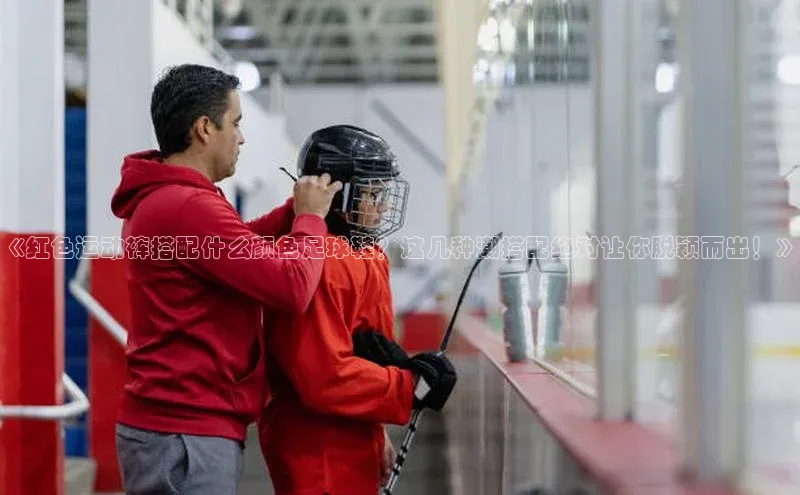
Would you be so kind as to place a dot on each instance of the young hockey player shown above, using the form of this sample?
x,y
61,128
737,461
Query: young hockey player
x,y
322,431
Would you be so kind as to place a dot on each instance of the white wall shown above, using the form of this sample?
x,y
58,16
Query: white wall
x,y
267,147
32,117
121,77
118,109
174,44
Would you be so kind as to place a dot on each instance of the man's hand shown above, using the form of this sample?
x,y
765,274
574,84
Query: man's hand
x,y
314,194
388,457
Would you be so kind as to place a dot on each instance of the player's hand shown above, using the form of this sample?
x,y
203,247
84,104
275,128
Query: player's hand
x,y
374,346
388,457
437,379
314,194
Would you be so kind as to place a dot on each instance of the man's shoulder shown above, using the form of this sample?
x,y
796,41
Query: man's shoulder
x,y
176,208
179,194
168,198
188,203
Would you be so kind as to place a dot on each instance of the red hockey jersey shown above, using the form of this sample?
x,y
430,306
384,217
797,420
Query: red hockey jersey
x,y
322,430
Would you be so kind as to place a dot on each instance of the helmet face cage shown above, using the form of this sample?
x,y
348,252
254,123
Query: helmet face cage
x,y
374,195
375,206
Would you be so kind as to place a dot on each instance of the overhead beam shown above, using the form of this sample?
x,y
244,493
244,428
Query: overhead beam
x,y
386,30
369,3
296,48
305,46
268,22
75,12
323,71
389,52
358,34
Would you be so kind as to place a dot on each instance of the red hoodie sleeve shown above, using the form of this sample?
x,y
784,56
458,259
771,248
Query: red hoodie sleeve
x,y
282,276
315,351
276,223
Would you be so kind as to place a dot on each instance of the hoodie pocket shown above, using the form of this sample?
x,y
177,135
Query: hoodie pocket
x,y
247,391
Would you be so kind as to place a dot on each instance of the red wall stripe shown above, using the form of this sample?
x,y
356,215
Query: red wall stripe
x,y
107,369
422,331
10,431
31,362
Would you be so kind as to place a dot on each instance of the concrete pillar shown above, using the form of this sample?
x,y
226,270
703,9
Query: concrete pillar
x,y
31,220
716,92
458,23
615,151
118,105
120,80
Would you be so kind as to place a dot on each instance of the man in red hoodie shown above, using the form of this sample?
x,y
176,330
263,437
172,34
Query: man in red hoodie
x,y
198,279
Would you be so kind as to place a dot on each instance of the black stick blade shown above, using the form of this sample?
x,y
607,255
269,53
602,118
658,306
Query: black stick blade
x,y
485,252
491,245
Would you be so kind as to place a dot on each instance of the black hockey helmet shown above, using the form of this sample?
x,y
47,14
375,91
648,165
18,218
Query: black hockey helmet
x,y
368,171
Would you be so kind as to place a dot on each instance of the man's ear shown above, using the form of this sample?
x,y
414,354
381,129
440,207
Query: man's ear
x,y
202,129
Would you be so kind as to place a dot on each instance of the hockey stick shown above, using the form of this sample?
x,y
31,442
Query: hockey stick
x,y
417,414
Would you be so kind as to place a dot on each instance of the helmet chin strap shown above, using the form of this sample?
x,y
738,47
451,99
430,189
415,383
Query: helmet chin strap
x,y
337,225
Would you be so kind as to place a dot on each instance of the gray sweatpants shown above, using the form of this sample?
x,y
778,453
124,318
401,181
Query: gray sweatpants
x,y
154,463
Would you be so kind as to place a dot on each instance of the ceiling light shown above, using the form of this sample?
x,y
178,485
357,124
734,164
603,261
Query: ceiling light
x,y
666,74
249,75
239,33
789,69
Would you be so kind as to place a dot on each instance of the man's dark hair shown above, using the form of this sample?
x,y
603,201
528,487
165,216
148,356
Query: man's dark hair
x,y
184,94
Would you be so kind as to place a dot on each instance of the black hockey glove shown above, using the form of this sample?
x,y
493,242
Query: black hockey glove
x,y
437,378
374,346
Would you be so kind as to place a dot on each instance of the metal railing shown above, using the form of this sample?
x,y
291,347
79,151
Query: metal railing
x,y
570,381
79,402
79,405
78,289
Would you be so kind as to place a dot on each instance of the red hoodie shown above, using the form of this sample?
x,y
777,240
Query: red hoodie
x,y
198,278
